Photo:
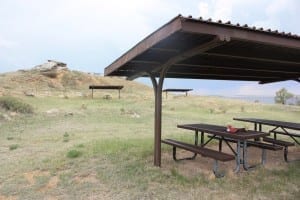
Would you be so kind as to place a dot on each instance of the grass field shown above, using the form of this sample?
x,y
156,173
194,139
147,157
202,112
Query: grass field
x,y
82,148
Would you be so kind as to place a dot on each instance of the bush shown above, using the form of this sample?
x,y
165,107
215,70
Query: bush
x,y
73,154
13,147
66,137
14,104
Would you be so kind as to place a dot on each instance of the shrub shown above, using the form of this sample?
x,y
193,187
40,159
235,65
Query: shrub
x,y
107,97
242,109
66,137
80,145
13,146
66,134
14,104
66,140
73,154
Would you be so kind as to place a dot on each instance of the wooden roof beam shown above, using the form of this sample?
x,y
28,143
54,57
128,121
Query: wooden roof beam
x,y
238,67
277,80
284,62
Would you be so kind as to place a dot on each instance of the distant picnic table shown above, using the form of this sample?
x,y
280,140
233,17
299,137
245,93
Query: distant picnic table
x,y
176,90
106,87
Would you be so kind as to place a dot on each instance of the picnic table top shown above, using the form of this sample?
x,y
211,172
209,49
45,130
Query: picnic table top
x,y
221,131
117,87
176,90
289,125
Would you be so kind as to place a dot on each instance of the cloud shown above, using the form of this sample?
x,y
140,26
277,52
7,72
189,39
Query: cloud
x,y
82,32
220,9
91,34
254,89
280,14
274,14
6,44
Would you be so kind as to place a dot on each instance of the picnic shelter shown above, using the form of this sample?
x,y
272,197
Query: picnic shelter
x,y
194,48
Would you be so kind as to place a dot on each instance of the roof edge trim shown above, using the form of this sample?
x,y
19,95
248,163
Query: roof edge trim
x,y
163,32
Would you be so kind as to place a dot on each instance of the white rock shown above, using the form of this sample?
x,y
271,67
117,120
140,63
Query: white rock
x,y
52,111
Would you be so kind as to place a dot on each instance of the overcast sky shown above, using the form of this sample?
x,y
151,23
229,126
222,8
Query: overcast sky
x,y
88,35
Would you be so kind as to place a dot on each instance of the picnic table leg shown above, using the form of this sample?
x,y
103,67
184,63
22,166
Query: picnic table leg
x,y
245,164
216,170
238,156
255,128
220,144
202,138
187,158
245,157
259,128
196,137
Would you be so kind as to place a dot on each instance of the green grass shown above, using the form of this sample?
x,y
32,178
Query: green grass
x,y
13,146
73,153
14,104
103,151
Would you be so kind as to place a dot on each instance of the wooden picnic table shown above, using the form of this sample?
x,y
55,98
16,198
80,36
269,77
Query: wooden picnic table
x,y
106,87
241,138
280,127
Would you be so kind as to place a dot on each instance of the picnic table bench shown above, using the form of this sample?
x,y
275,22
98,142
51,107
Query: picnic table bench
x,y
176,90
106,87
205,152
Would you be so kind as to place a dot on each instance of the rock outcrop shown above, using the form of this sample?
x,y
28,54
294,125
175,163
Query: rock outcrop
x,y
52,68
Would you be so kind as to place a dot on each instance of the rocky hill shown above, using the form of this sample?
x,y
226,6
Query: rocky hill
x,y
55,78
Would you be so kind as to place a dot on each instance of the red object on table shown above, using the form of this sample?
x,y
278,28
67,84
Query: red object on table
x,y
231,129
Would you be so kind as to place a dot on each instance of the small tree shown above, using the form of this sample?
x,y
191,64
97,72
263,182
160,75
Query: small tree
x,y
282,96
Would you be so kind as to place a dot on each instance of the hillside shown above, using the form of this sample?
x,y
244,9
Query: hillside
x,y
50,80
58,143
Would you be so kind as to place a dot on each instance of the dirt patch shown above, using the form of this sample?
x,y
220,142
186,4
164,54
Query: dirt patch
x,y
51,184
88,178
31,176
7,197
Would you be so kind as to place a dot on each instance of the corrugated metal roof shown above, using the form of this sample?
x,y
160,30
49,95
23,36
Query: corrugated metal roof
x,y
244,26
204,49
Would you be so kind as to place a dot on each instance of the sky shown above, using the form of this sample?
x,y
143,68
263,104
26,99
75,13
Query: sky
x,y
89,35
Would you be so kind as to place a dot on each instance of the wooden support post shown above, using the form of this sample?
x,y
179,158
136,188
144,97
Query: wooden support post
x,y
157,87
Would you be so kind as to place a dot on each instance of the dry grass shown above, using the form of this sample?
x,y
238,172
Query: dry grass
x,y
116,150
